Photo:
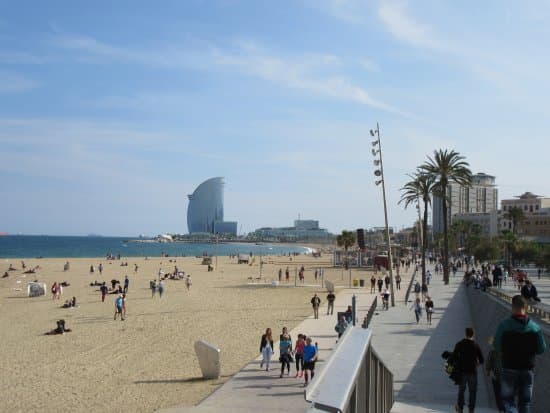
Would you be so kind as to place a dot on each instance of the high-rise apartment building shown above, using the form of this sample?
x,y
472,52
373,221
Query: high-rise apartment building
x,y
481,197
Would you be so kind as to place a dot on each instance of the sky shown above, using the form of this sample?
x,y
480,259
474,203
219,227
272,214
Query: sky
x,y
112,112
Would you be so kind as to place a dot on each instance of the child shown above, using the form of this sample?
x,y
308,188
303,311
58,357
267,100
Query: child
x,y
310,357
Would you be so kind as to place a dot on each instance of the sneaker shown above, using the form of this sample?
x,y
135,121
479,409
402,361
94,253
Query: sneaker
x,y
262,365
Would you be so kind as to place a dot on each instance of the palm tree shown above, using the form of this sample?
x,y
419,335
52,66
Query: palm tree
x,y
420,188
515,215
510,242
346,240
447,167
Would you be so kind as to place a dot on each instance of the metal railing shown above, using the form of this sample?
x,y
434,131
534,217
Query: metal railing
x,y
370,313
354,379
541,310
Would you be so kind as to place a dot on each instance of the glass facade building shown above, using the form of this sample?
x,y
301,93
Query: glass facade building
x,y
205,206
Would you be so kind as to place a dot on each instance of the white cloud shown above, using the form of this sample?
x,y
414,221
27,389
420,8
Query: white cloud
x,y
306,72
14,83
395,16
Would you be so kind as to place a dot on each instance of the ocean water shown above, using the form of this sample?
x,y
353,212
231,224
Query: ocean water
x,y
33,246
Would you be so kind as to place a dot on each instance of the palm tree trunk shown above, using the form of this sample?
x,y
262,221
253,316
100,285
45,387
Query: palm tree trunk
x,y
445,238
424,241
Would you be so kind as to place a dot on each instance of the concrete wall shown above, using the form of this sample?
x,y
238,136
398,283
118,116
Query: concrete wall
x,y
487,311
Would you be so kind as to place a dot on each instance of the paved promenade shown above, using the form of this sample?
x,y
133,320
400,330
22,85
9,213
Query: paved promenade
x,y
411,351
542,285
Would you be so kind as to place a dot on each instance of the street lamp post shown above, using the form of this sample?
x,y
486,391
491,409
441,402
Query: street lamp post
x,y
380,173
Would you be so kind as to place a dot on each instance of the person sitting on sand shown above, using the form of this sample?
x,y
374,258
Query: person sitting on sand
x,y
70,303
12,268
114,283
61,329
5,274
32,271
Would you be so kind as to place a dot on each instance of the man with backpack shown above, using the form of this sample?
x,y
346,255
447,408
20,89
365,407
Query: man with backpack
x,y
468,355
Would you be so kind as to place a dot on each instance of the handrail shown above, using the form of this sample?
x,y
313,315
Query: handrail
x,y
370,313
540,310
353,379
410,286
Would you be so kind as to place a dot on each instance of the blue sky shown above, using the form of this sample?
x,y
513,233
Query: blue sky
x,y
112,112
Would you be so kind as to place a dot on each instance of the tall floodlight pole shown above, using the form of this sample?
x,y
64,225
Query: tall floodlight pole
x,y
380,174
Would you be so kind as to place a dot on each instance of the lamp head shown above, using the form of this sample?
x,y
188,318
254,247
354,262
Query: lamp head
x,y
374,152
376,162
378,172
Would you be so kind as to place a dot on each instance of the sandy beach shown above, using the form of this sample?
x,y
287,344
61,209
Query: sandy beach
x,y
146,362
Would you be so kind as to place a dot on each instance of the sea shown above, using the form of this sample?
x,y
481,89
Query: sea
x,y
46,246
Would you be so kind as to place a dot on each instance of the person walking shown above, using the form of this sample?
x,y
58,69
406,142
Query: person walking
x,y
188,282
100,268
266,349
417,289
341,326
398,281
315,302
153,285
285,353
493,368
429,304
372,284
126,284
299,355
161,288
310,357
380,283
469,355
103,290
280,274
119,306
417,307
518,339
424,291
287,274
330,300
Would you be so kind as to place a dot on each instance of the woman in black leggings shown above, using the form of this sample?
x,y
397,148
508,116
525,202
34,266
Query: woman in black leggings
x,y
299,355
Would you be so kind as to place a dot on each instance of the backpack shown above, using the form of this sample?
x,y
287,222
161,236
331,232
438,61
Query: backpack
x,y
451,366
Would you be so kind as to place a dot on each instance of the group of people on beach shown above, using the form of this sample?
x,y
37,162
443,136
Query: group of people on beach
x,y
304,353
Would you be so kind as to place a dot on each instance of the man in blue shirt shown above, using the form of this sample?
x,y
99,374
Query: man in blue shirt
x,y
310,357
119,304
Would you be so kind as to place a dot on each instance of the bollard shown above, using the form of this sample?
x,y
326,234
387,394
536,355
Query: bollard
x,y
209,359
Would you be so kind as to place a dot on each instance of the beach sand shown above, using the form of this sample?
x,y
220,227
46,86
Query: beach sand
x,y
146,362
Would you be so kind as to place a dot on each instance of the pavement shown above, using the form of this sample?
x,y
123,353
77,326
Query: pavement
x,y
411,351
542,285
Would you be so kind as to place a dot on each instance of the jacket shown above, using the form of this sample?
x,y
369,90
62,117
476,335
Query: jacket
x,y
519,340
469,355
265,342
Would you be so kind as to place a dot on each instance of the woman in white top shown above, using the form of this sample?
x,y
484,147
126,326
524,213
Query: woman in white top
x,y
417,307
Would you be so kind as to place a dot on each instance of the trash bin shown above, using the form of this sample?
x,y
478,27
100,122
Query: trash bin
x,y
355,282
361,282
209,359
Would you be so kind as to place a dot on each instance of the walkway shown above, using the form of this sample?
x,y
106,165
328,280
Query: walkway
x,y
411,351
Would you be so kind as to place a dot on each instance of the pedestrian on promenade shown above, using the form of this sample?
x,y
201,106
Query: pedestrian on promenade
x,y
330,300
529,291
380,284
372,284
417,307
315,302
417,289
398,281
493,368
429,304
341,326
428,277
469,355
299,355
518,339
103,290
161,288
386,299
424,291
387,281
285,350
349,314
266,348
310,357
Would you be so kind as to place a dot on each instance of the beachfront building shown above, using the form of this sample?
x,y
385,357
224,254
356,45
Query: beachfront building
x,y
488,222
303,230
480,198
535,224
205,209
